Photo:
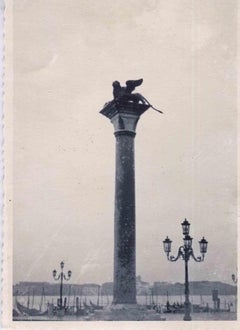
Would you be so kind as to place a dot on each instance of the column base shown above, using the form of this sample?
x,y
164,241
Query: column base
x,y
127,312
123,306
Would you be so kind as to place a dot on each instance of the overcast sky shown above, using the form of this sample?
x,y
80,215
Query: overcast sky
x,y
66,56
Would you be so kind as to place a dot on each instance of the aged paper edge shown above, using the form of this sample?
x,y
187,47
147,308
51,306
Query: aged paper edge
x,y
1,137
6,321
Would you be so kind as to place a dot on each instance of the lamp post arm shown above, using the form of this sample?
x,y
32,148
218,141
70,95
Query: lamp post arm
x,y
66,278
56,278
180,254
197,259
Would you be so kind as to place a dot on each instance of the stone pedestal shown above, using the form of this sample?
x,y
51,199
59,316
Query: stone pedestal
x,y
124,118
127,312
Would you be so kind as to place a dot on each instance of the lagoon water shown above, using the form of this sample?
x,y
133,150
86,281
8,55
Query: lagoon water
x,y
225,302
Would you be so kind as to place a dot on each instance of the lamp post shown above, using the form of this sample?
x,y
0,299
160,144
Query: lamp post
x,y
235,280
185,252
61,277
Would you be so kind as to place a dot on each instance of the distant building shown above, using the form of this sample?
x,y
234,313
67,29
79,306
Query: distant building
x,y
107,288
142,287
24,287
28,283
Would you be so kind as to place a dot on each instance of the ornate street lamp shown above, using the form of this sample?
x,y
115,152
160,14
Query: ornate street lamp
x,y
167,245
234,278
185,252
185,227
61,277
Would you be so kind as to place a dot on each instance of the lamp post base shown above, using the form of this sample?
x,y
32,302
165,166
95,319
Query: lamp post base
x,y
187,318
187,312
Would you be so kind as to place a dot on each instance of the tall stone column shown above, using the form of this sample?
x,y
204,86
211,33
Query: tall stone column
x,y
124,118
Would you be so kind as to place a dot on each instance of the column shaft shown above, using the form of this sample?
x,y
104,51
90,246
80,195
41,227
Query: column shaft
x,y
124,221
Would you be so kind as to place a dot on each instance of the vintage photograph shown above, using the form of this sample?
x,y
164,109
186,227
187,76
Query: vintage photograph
x,y
120,153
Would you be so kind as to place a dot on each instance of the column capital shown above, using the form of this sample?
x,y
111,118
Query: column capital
x,y
124,115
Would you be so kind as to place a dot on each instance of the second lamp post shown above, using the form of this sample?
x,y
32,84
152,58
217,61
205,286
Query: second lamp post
x,y
185,252
61,277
